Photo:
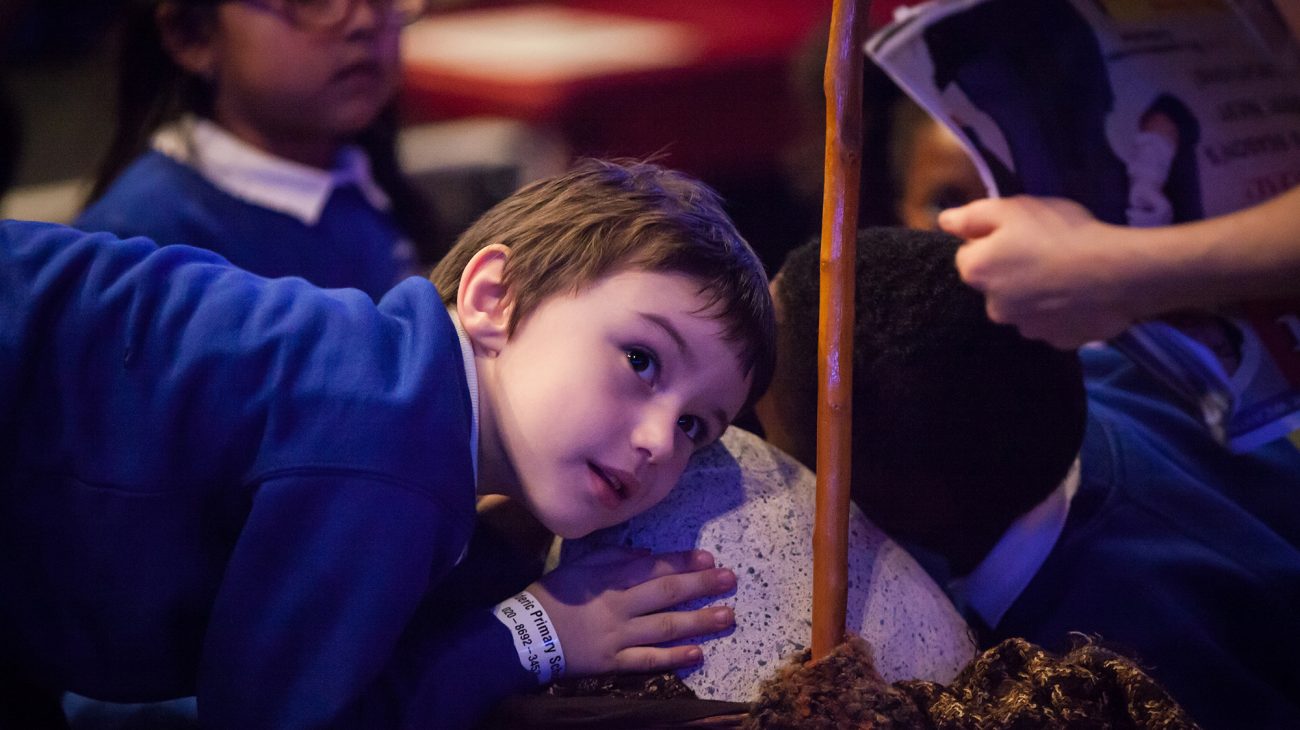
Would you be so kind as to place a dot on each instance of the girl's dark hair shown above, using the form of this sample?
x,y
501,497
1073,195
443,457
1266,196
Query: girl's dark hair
x,y
11,141
153,91
411,209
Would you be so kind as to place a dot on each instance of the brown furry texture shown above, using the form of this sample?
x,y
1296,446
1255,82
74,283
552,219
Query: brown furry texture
x,y
664,686
1013,685
842,691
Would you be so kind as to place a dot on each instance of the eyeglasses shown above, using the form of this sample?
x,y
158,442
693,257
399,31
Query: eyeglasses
x,y
320,15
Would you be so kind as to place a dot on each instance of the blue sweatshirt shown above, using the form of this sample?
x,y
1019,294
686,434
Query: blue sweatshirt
x,y
1179,552
352,245
247,489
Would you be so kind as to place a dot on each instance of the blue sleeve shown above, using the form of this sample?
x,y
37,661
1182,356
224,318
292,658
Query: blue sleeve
x,y
276,659
281,454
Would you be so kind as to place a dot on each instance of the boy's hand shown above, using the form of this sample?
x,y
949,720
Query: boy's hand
x,y
609,608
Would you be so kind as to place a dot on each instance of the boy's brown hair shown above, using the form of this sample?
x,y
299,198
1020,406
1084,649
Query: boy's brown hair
x,y
605,216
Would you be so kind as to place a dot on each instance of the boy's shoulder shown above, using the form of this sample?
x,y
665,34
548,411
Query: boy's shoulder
x,y
382,389
179,348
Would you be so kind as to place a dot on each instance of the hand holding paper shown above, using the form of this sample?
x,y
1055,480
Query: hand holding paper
x,y
1046,266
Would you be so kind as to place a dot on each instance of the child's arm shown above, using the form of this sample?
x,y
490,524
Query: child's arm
x,y
607,611
1050,268
203,506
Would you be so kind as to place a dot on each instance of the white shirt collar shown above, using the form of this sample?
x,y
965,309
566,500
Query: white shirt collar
x,y
1004,573
260,178
471,377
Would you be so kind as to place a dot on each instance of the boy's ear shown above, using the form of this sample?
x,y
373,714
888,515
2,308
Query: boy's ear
x,y
481,302
186,34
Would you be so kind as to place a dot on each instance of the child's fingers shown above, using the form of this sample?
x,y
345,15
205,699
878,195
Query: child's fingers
x,y
973,220
667,591
970,265
658,628
651,567
657,659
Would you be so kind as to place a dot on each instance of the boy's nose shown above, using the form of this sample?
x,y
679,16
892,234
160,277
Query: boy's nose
x,y
655,434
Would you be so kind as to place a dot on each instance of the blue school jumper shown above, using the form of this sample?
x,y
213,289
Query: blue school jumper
x,y
1179,551
213,483
352,244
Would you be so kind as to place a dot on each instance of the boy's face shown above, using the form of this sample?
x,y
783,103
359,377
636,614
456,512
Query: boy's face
x,y
598,399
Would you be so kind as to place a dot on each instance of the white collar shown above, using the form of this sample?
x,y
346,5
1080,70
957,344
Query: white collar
x,y
260,178
1004,573
471,378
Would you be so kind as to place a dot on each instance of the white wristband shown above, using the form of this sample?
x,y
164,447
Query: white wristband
x,y
535,638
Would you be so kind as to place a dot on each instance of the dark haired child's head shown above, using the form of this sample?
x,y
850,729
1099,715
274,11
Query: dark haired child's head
x,y
912,166
959,425
620,323
929,168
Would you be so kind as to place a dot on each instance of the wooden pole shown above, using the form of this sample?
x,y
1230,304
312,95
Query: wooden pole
x,y
843,85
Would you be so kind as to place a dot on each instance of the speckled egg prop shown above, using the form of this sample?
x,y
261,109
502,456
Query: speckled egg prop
x,y
751,505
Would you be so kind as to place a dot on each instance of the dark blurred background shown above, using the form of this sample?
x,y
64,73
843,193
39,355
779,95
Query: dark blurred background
x,y
499,93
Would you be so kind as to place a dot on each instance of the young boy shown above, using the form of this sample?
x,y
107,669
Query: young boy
x,y
1052,498
251,489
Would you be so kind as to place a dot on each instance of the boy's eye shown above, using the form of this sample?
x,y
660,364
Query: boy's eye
x,y
643,362
692,427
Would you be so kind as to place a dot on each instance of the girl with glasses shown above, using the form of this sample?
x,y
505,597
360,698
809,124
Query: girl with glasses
x,y
264,130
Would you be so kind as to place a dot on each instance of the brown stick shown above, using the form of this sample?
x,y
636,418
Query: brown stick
x,y
843,85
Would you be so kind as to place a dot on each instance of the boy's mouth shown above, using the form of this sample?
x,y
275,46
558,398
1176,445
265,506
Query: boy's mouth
x,y
621,484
